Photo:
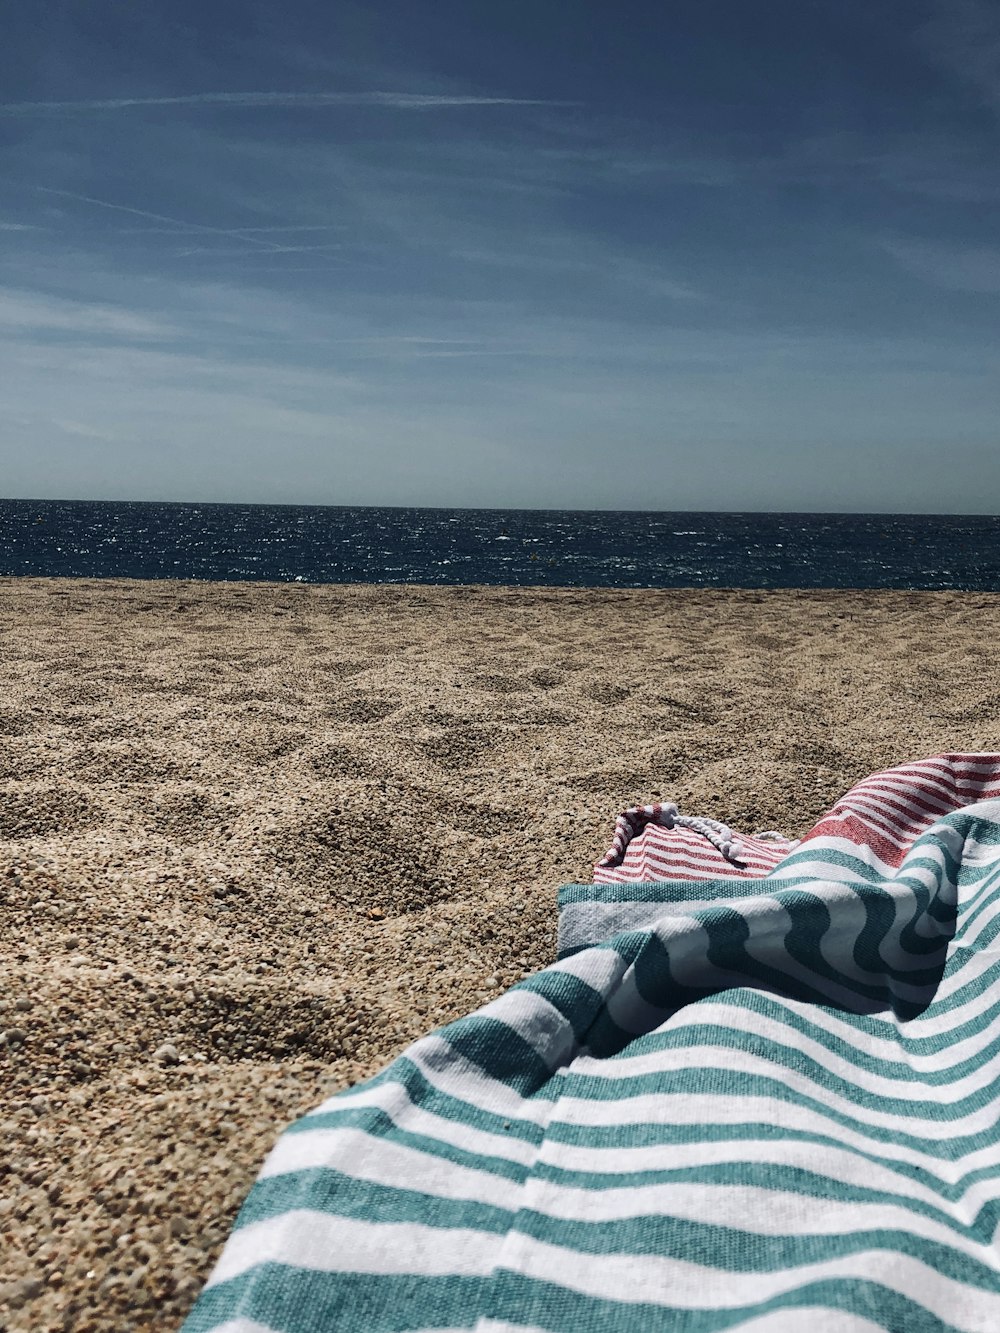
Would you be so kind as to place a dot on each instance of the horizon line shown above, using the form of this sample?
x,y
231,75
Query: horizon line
x,y
503,509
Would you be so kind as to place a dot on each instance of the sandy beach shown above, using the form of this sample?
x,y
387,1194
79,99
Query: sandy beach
x,y
254,839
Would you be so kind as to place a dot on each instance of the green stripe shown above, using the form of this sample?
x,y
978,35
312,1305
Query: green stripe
x,y
578,1003
710,1080
298,1300
325,1190
783,1178
774,1011
499,1051
789,1014
661,1134
380,1126
424,1094
779,1050
732,1250
558,1310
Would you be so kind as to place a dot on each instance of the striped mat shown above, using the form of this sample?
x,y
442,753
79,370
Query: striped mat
x,y
759,1090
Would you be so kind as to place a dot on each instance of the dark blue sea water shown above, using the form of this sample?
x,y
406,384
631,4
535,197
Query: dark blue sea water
x,y
320,544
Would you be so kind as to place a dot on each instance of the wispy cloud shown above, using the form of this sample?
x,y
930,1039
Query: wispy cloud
x,y
82,430
27,311
227,252
396,101
964,37
972,268
230,231
176,225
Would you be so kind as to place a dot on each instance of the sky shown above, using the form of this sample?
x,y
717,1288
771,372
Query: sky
x,y
697,255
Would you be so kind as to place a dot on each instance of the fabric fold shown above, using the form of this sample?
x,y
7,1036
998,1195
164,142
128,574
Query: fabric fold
x,y
735,1101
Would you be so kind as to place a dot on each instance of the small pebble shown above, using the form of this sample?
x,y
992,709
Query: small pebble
x,y
167,1054
17,1293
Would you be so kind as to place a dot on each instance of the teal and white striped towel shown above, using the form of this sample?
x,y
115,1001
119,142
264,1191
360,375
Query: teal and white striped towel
x,y
756,1102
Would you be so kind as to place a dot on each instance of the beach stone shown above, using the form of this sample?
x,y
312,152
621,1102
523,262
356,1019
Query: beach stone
x,y
16,1294
167,1054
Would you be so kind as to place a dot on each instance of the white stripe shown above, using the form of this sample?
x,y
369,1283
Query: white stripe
x,y
243,1326
687,941
538,1023
674,1283
878,830
486,1325
392,1097
982,923
451,1073
898,1046
815,1318
703,1110
410,1117
839,1164
944,785
323,1243
939,1021
876,1047
971,970
954,792
907,794
738,1019
392,1165
749,1209
810,863
723,1059
657,846
987,884
600,968
901,820
695,862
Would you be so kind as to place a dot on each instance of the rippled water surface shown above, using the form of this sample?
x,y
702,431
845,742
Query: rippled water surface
x,y
313,544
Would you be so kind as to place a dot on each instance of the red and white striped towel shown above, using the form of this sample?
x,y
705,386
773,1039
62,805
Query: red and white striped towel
x,y
885,813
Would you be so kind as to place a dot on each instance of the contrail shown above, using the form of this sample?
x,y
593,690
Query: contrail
x,y
307,101
179,223
230,231
181,226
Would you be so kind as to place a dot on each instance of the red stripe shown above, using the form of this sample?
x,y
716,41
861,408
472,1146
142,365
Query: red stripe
x,y
883,815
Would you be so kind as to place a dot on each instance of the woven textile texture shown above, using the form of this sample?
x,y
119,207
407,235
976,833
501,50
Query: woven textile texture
x,y
759,1090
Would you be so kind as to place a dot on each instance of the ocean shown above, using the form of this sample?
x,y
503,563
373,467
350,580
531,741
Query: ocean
x,y
549,548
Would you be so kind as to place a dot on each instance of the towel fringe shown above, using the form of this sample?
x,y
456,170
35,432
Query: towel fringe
x,y
666,814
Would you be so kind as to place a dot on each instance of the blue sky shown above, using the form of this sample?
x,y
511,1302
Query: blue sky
x,y
696,255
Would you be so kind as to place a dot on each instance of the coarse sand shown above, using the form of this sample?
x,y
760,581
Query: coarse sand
x,y
256,838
